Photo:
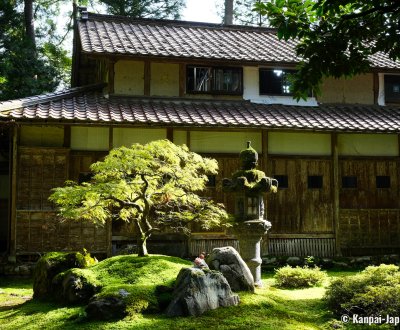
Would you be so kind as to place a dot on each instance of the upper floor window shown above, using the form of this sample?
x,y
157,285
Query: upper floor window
x,y
392,88
275,81
219,80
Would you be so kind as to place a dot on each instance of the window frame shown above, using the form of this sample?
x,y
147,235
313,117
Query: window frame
x,y
389,81
212,70
271,93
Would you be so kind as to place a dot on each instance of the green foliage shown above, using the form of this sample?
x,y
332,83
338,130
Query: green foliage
x,y
335,38
374,291
299,277
154,186
145,8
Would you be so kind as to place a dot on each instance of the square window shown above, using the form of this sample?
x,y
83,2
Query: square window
x,y
315,181
218,80
283,181
275,81
349,181
392,88
382,181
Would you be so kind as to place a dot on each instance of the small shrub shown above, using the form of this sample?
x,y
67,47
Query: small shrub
x,y
374,291
299,277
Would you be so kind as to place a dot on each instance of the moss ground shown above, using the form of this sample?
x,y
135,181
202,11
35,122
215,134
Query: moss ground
x,y
269,308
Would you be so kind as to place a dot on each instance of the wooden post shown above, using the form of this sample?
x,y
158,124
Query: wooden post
x,y
182,80
376,87
111,76
336,187
264,148
147,78
12,257
170,134
67,136
188,139
110,138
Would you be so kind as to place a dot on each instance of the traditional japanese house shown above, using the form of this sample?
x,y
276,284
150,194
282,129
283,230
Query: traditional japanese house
x,y
211,87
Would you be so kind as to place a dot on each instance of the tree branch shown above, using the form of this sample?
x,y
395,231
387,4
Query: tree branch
x,y
127,203
381,9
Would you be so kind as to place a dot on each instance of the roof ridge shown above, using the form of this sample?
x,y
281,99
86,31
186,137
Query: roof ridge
x,y
180,23
43,98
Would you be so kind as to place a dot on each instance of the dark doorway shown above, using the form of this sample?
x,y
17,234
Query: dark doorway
x,y
4,187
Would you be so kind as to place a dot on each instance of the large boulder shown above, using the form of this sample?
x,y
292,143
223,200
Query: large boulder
x,y
53,263
197,291
75,286
229,262
106,308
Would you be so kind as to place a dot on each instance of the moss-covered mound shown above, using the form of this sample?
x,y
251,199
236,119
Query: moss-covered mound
x,y
137,279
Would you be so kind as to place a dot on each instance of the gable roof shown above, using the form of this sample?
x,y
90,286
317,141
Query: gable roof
x,y
88,105
116,35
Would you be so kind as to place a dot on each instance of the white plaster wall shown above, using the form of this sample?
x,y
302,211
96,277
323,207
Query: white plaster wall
x,y
129,77
180,137
251,91
128,136
89,138
381,93
224,142
312,144
164,79
42,136
368,145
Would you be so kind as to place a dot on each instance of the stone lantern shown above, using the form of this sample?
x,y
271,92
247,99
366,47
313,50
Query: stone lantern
x,y
249,185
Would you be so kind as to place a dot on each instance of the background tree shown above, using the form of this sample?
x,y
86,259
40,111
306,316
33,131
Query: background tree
x,y
145,8
243,13
32,60
336,37
153,186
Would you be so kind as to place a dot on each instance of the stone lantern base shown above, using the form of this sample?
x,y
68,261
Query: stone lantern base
x,y
250,234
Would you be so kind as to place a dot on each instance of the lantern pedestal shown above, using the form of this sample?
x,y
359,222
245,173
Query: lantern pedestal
x,y
250,234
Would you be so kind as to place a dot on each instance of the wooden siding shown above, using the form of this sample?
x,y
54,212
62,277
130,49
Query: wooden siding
x,y
197,246
369,231
301,217
40,170
80,162
43,231
38,229
299,209
366,195
302,247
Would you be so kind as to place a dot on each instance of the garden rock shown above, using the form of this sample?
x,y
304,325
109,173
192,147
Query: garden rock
x,y
108,308
52,264
74,289
197,291
229,262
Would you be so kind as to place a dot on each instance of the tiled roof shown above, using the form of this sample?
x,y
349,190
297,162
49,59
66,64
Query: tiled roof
x,y
104,34
93,107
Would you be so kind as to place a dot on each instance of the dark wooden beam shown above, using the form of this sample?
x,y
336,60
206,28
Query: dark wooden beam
x,y
147,78
12,257
336,187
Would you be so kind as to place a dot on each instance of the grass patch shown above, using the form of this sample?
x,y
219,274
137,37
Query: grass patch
x,y
269,308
